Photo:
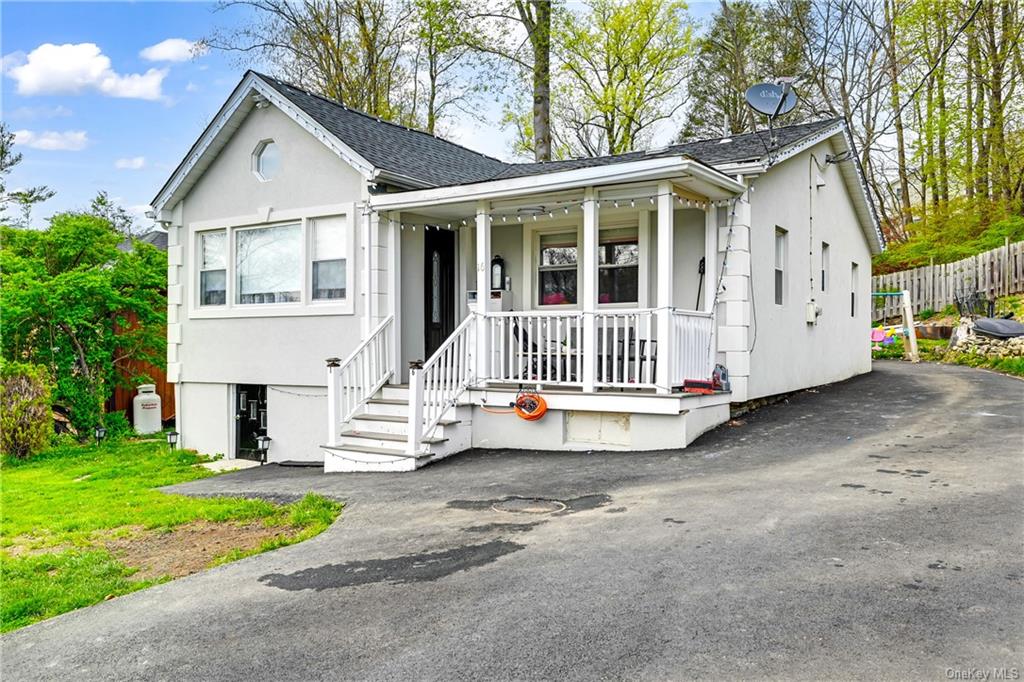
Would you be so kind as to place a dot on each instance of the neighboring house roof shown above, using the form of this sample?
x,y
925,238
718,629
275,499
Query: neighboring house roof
x,y
157,238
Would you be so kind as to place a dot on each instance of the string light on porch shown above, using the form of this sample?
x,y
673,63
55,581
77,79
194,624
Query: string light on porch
x,y
549,210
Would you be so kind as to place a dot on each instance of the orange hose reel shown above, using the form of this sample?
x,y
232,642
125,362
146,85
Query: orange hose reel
x,y
530,406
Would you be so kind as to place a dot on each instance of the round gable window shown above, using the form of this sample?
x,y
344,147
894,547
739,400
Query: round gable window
x,y
266,160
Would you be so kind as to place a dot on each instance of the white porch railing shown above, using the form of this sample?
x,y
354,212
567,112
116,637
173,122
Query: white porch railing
x,y
627,347
693,356
535,347
546,347
438,384
350,383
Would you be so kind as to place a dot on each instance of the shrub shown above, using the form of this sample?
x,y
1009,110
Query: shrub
x,y
117,425
25,417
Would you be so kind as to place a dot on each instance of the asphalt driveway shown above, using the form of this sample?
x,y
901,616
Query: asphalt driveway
x,y
869,529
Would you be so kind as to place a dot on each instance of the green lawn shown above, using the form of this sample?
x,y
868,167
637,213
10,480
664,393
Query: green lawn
x,y
60,510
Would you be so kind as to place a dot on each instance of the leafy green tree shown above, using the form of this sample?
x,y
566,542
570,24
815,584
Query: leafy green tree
x,y
77,305
24,198
621,70
105,208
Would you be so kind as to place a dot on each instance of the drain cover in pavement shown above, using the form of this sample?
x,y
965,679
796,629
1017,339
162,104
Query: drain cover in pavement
x,y
528,505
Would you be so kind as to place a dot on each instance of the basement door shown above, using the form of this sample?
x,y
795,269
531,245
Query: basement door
x,y
439,297
250,419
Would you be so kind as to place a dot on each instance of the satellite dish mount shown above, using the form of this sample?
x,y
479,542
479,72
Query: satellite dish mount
x,y
772,100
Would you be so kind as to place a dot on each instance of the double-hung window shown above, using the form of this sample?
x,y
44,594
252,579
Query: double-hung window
x,y
618,261
213,278
329,259
557,269
268,264
780,266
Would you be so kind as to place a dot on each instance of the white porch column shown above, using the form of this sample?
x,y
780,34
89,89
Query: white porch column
x,y
394,285
733,318
483,286
589,294
666,250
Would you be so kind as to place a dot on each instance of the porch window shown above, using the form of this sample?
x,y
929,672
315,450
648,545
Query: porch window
x,y
618,263
557,272
268,264
780,266
329,262
213,280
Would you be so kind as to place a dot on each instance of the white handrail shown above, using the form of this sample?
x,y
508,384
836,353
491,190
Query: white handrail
x,y
437,385
353,381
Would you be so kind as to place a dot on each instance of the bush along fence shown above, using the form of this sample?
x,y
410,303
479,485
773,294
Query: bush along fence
x,y
999,272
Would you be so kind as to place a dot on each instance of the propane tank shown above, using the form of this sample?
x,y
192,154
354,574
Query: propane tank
x,y
146,410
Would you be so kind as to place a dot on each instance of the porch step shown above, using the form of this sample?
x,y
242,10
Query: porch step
x,y
375,439
394,437
398,419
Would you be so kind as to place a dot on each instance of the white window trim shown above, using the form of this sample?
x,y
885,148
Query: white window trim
x,y
531,273
269,218
255,159
784,266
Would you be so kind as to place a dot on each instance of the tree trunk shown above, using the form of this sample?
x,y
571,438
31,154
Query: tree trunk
x,y
894,102
536,17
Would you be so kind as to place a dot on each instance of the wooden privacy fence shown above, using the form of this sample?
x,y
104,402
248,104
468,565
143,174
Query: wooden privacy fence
x,y
998,272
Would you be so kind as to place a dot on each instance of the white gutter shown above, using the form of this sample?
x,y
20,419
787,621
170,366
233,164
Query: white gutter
x,y
635,171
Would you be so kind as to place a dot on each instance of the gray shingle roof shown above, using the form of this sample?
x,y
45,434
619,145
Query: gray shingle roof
x,y
392,147
437,162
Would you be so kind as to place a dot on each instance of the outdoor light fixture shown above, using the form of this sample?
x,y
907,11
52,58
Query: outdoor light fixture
x,y
262,446
172,439
100,433
497,273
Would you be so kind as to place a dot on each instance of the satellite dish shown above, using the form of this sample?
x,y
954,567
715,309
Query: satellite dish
x,y
771,99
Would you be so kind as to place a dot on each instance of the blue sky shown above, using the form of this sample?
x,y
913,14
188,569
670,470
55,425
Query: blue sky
x,y
109,118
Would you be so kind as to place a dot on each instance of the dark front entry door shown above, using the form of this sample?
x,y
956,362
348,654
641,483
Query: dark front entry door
x,y
250,419
439,297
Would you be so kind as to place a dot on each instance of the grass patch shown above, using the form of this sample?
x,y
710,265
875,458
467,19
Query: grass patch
x,y
64,507
932,350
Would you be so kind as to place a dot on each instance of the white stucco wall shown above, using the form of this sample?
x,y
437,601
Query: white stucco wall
x,y
788,353
286,351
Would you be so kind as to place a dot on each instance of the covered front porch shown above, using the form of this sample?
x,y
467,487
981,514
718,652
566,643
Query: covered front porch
x,y
600,295
595,288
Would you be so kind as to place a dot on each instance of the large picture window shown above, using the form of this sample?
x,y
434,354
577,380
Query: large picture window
x,y
329,258
557,275
268,264
618,263
213,279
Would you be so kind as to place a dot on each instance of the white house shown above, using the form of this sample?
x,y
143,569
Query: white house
x,y
301,231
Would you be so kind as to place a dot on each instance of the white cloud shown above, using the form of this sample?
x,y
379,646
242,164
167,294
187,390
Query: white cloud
x,y
76,68
52,140
132,163
173,50
191,87
59,111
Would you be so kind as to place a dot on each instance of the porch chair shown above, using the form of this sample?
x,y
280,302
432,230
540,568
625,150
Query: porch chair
x,y
533,363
